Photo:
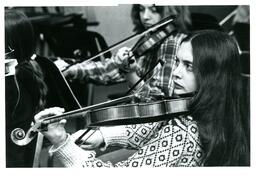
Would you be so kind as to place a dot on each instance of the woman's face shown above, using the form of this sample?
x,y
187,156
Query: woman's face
x,y
183,76
149,15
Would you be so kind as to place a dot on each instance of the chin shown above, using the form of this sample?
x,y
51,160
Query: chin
x,y
179,92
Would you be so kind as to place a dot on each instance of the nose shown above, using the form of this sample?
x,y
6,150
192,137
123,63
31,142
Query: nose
x,y
146,14
177,72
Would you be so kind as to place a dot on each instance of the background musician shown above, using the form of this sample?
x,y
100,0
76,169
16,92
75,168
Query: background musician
x,y
108,71
30,87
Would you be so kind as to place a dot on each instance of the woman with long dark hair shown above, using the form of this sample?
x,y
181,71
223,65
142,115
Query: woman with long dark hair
x,y
217,105
20,45
207,64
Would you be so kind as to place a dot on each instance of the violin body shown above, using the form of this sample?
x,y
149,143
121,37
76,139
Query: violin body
x,y
137,113
152,40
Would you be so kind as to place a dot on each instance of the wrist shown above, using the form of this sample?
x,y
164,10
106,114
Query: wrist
x,y
59,140
55,148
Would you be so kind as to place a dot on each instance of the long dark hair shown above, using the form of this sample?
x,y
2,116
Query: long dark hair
x,y
216,106
182,22
19,36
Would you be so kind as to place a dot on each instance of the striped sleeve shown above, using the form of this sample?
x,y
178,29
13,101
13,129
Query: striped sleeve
x,y
100,72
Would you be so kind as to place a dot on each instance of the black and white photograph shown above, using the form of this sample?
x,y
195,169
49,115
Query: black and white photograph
x,y
127,85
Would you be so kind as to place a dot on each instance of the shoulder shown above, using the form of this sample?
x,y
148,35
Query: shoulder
x,y
186,128
187,140
185,123
176,37
173,41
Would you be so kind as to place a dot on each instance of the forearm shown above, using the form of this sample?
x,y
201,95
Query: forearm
x,y
71,155
101,72
115,136
130,136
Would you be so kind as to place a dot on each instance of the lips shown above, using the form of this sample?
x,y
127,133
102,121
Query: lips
x,y
147,24
178,86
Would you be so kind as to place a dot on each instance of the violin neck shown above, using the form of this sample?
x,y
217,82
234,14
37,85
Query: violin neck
x,y
78,113
66,116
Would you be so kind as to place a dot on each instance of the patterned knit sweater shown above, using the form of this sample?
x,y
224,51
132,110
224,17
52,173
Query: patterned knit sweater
x,y
176,143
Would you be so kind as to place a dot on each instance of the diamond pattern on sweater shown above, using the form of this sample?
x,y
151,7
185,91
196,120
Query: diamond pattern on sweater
x,y
140,134
176,144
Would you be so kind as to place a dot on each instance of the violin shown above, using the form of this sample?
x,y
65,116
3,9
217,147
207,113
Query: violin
x,y
100,115
153,36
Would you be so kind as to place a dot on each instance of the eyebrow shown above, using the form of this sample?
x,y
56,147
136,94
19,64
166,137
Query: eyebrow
x,y
184,61
187,62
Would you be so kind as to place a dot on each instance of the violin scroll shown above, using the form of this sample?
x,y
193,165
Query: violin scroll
x,y
17,135
20,138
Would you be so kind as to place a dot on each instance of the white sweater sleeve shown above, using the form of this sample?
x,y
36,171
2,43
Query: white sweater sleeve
x,y
72,155
130,136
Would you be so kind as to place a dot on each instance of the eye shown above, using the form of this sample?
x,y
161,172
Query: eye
x,y
189,67
142,9
153,9
177,62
